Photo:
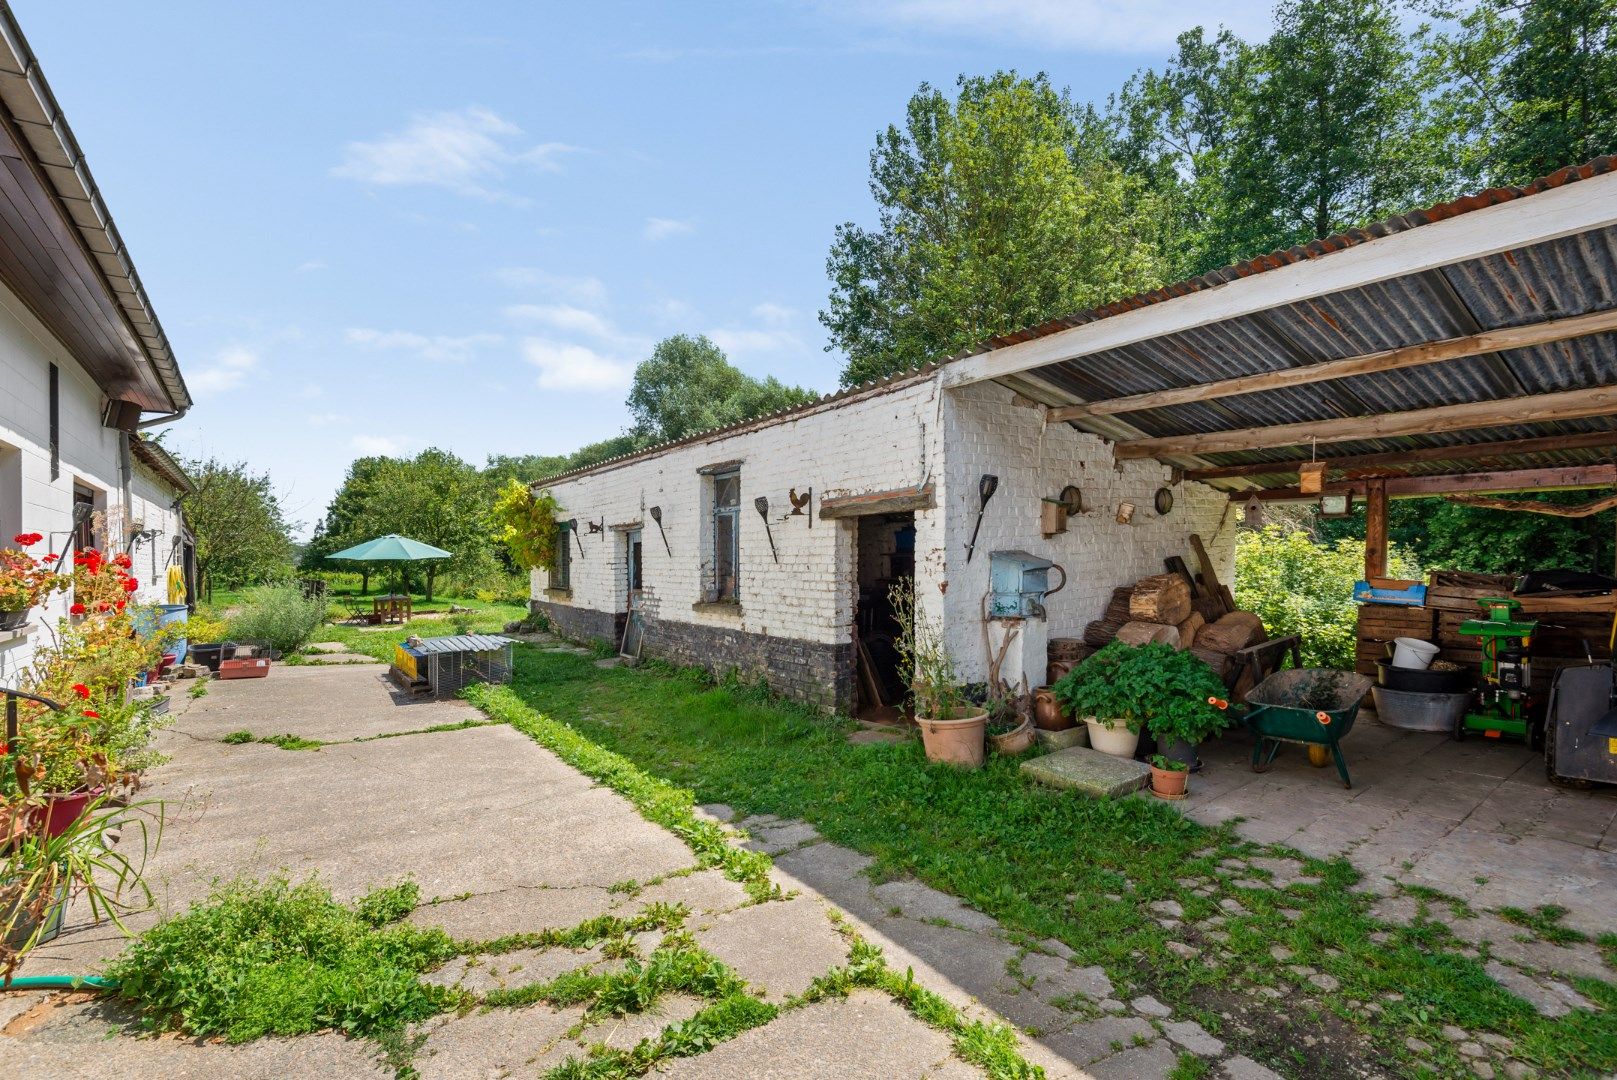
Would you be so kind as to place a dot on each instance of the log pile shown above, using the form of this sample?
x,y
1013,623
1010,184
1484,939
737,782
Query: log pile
x,y
1180,610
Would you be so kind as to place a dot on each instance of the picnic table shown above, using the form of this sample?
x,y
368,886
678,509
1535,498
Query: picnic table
x,y
391,607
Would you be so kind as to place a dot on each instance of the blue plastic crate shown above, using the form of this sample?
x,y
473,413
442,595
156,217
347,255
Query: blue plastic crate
x,y
1413,596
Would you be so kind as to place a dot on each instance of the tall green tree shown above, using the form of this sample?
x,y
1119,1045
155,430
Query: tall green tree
x,y
997,208
242,535
344,521
1528,86
435,498
688,385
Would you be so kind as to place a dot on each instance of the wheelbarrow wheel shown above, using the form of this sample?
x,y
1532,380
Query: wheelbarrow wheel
x,y
1319,755
1263,754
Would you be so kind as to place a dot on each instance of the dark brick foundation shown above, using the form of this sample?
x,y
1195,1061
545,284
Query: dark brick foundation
x,y
806,671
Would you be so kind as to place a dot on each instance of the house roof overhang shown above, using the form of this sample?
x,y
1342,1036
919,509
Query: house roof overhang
x,y
59,249
1474,337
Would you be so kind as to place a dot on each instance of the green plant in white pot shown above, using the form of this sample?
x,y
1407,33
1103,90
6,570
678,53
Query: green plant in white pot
x,y
952,728
1123,688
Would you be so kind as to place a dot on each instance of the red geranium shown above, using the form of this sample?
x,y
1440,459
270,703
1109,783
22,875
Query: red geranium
x,y
122,560
92,714
27,539
76,609
81,690
130,584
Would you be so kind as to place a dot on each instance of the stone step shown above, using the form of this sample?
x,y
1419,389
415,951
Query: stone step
x,y
1089,772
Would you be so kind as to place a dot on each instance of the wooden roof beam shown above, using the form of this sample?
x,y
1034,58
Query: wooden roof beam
x,y
1535,408
1489,341
1588,440
1563,478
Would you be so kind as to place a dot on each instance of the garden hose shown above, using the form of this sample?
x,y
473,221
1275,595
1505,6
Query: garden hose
x,y
59,982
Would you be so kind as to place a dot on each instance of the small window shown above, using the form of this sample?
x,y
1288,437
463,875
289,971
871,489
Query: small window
x,y
561,575
726,536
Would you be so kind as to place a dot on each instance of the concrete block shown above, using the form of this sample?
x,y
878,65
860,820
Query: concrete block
x,y
1089,772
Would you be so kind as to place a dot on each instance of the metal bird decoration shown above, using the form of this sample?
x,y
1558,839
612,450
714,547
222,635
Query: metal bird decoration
x,y
800,504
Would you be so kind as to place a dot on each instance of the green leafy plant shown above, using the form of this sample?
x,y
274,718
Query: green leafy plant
x,y
923,653
275,958
525,521
238,738
1158,686
1168,764
280,615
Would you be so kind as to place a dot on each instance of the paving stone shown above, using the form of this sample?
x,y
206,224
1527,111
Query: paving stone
x,y
778,947
717,811
1497,1041
1077,735
774,839
498,1042
624,1032
1519,1070
1058,948
1454,1034
1482,1069
1472,1049
868,1035
1150,1006
1280,953
1152,1062
705,891
480,974
1550,998
1328,983
1231,905
1582,960
1091,1040
512,911
1179,948
1193,1037
1168,908
1250,883
1241,1067
1088,772
918,900
325,647
1054,978
1418,1046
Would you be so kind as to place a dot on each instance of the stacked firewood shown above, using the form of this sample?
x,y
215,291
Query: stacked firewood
x,y
1165,608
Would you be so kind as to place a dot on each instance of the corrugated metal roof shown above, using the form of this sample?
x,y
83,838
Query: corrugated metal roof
x,y
461,643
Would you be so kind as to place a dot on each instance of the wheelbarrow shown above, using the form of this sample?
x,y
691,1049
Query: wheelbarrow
x,y
1310,706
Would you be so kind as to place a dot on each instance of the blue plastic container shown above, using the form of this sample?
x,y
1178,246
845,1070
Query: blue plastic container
x,y
1413,596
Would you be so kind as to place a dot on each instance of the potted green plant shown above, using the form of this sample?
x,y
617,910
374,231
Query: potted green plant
x,y
1124,688
1009,730
1190,704
25,580
1168,777
1097,692
952,728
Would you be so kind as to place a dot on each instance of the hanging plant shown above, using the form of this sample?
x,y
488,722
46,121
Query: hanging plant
x,y
526,523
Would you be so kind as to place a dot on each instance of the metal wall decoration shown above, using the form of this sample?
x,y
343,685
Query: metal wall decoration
x,y
1125,513
800,504
1164,501
598,527
761,504
1073,498
657,516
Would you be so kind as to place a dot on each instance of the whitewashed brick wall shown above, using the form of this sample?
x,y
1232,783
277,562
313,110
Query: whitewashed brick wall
x,y
30,501
884,441
986,433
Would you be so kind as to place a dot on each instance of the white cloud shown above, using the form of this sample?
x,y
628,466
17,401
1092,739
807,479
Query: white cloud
x,y
326,419
309,266
563,317
439,348
381,445
773,314
569,366
230,368
673,310
467,151
661,228
741,341
1141,26
588,291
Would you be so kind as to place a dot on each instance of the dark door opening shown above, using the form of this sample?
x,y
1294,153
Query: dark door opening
x,y
884,557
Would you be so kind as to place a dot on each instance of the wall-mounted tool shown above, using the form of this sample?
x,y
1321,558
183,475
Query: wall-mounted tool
x,y
657,516
1019,583
986,486
800,503
761,505
572,527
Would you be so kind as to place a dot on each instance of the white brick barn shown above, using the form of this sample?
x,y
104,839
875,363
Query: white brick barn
x,y
887,477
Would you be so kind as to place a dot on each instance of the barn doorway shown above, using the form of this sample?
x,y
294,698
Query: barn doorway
x,y
884,556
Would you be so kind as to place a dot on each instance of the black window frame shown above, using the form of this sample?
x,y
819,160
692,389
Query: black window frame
x,y
717,590
561,574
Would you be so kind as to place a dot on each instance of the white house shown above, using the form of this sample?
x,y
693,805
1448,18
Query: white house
x,y
1468,347
84,364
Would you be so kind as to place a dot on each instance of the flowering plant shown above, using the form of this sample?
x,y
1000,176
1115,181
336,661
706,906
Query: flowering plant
x,y
24,579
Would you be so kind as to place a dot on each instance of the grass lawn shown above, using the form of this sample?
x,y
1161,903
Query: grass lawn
x,y
1049,864
378,641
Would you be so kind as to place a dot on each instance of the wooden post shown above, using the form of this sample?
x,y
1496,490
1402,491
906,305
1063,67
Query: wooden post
x,y
1375,528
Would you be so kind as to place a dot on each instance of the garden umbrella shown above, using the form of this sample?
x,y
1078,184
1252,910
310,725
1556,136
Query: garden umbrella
x,y
392,548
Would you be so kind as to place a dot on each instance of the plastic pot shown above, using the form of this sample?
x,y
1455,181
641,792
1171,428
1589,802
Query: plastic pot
x,y
1414,653
1116,740
956,740
1169,783
1417,681
210,655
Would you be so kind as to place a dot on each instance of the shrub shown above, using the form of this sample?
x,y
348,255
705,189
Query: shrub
x,y
275,958
1158,686
1299,586
279,615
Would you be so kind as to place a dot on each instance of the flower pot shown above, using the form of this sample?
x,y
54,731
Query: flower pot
x,y
1116,740
209,655
1180,750
1014,742
61,811
48,927
14,620
957,740
1047,712
1169,783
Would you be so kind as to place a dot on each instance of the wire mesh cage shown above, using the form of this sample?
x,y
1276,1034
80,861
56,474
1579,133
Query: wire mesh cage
x,y
444,666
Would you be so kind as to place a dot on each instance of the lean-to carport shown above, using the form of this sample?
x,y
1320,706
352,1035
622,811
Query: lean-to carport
x,y
1469,347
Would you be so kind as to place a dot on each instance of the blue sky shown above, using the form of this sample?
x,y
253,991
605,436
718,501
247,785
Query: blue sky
x,y
374,227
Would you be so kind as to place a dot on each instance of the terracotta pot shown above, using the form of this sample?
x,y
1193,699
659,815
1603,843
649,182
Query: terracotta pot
x,y
1169,784
61,811
1014,742
1116,740
1056,669
957,740
1047,711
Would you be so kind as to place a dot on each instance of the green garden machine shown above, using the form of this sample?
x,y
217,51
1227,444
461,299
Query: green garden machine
x,y
1505,699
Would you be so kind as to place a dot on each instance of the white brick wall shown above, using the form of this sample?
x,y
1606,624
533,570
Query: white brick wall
x,y
986,433
30,501
895,439
876,443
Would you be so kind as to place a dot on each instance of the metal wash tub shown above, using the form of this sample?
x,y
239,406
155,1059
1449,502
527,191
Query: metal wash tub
x,y
1311,706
